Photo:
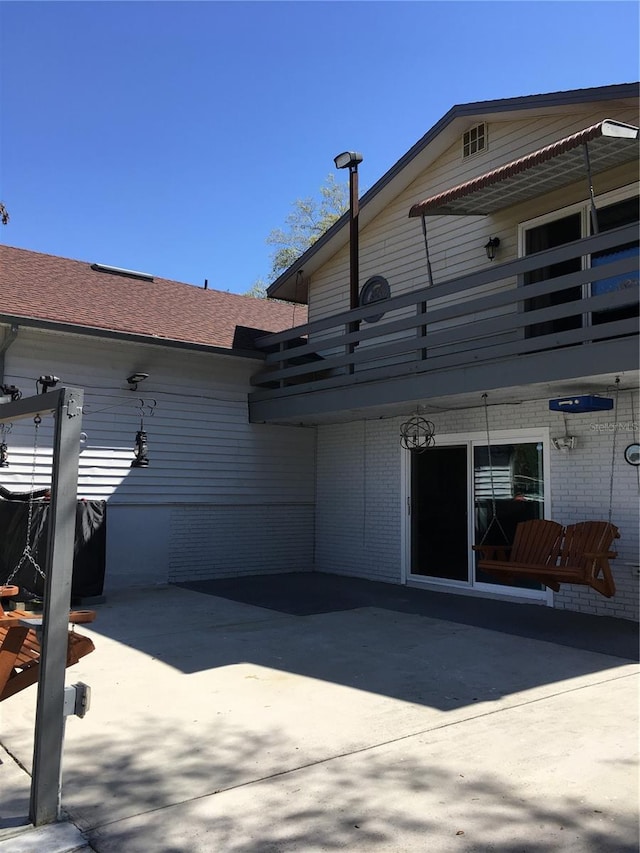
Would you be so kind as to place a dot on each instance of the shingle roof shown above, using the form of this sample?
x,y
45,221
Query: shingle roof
x,y
49,289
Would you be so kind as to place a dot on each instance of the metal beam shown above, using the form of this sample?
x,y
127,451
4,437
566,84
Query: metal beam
x,y
65,404
49,733
608,356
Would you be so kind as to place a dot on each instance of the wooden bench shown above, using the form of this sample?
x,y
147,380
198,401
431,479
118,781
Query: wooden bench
x,y
546,552
20,650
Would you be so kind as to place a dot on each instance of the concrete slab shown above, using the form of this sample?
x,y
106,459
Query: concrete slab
x,y
15,788
217,724
60,837
497,782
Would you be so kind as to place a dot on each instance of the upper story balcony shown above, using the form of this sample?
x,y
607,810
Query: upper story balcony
x,y
556,315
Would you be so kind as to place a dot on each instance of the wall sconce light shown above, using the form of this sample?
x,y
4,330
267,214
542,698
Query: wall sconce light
x,y
564,443
47,382
4,449
491,247
141,450
135,378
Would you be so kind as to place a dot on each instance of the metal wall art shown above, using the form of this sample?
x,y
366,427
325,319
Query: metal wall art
x,y
417,434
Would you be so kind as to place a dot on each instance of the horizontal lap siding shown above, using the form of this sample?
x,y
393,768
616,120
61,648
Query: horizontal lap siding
x,y
202,449
392,245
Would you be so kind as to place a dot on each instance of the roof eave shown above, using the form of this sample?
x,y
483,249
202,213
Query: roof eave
x,y
114,334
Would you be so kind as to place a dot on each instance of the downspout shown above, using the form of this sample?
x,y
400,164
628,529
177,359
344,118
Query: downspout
x,y
9,338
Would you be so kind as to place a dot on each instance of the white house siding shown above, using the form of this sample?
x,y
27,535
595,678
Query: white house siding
x,y
393,246
211,471
358,514
360,511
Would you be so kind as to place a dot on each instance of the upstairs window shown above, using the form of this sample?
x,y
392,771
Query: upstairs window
x,y
474,140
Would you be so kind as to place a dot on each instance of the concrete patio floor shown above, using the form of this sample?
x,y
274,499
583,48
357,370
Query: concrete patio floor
x,y
318,713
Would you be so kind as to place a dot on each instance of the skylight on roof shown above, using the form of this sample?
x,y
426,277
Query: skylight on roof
x,y
145,276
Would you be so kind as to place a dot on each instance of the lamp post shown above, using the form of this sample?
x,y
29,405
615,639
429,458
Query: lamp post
x,y
350,160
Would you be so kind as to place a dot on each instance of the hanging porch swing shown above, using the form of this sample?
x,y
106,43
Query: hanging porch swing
x,y
549,553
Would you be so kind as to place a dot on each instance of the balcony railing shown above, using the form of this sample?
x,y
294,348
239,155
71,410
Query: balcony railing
x,y
484,317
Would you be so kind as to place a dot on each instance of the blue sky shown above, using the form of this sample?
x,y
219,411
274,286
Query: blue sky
x,y
172,137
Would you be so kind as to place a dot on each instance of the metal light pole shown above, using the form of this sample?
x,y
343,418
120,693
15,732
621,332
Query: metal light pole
x,y
350,160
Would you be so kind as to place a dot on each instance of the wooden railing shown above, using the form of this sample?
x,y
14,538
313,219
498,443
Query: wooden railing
x,y
482,317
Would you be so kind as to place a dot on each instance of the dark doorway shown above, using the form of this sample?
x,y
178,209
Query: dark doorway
x,y
439,533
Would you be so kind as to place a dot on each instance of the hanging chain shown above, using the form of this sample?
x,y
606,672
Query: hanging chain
x,y
494,514
613,450
27,556
486,420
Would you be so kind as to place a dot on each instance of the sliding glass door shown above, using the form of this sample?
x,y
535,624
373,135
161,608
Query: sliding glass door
x,y
466,493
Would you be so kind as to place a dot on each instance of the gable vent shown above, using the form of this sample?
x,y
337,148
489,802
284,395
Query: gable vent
x,y
145,276
474,140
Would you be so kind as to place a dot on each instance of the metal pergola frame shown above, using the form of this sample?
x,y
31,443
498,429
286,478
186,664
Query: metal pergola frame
x,y
65,405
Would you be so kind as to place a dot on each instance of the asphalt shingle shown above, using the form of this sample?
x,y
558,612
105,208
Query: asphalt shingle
x,y
47,288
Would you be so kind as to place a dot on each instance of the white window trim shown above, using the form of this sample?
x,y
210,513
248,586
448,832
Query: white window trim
x,y
485,136
603,200
584,208
469,587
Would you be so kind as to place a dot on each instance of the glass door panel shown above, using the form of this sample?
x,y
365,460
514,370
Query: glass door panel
x,y
439,513
614,216
548,236
508,487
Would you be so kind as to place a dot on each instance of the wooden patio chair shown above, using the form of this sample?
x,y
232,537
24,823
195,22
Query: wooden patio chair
x,y
545,552
585,554
536,546
20,646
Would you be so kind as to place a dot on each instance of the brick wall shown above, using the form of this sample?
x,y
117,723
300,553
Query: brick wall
x,y
359,511
358,500
212,541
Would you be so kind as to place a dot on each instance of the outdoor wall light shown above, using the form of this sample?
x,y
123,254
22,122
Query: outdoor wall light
x,y
47,382
564,443
491,247
135,378
4,449
141,450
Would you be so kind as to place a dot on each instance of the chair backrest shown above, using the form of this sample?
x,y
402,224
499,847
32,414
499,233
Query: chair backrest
x,y
537,542
586,537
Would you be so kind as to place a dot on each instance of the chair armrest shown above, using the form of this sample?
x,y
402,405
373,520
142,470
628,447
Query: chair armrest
x,y
493,552
8,591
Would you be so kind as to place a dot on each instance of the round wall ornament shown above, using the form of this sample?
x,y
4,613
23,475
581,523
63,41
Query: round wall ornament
x,y
375,289
632,454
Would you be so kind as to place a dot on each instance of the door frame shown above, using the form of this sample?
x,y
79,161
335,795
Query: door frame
x,y
471,440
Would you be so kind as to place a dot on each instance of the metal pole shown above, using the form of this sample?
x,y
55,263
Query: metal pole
x,y
354,274
49,729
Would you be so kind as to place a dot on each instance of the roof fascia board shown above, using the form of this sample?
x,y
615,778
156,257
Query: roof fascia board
x,y
410,165
108,334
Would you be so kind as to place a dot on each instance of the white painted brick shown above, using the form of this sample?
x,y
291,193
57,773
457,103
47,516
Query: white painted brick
x,y
358,495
